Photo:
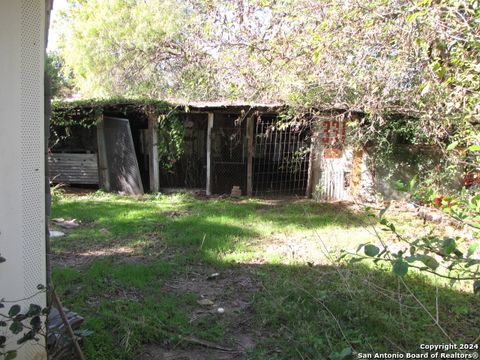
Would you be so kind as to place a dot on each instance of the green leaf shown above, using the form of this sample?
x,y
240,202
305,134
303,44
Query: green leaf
x,y
391,226
20,317
360,246
449,246
452,146
36,323
371,250
413,249
400,267
474,148
34,310
476,287
316,55
423,2
14,310
27,336
382,212
472,248
458,253
412,183
16,327
10,355
429,262
399,186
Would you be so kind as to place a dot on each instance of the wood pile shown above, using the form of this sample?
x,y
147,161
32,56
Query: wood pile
x,y
59,344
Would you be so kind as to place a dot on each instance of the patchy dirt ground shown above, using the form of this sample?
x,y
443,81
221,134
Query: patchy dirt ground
x,y
167,245
226,294
119,249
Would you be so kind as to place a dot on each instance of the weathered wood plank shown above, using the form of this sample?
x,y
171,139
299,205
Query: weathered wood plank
x,y
73,168
104,179
250,155
209,153
311,160
154,165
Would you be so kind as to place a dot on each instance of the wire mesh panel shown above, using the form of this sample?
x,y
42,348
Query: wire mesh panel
x,y
123,171
281,157
229,154
190,171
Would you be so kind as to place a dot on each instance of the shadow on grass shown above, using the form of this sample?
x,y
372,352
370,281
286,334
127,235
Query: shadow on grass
x,y
288,311
294,311
223,222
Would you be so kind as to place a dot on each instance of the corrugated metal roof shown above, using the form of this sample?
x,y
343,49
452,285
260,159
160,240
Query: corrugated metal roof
x,y
226,104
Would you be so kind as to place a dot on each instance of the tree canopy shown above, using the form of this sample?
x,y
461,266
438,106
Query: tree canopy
x,y
419,58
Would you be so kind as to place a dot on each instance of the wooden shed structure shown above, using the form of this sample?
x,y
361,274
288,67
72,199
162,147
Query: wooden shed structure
x,y
224,145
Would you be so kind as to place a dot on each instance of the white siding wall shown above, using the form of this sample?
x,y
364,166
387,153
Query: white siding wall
x,y
22,200
332,164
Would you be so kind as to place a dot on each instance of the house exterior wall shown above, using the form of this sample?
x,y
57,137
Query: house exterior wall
x,y
22,174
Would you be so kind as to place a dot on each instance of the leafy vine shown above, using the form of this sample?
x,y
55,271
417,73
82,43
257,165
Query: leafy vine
x,y
16,320
170,143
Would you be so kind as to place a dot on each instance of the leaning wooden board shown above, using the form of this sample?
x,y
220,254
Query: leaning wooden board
x,y
73,168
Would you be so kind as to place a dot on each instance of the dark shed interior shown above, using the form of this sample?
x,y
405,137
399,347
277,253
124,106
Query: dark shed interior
x,y
263,158
229,153
190,171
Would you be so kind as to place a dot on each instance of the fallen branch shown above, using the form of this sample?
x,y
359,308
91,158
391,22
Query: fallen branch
x,y
190,339
78,350
204,343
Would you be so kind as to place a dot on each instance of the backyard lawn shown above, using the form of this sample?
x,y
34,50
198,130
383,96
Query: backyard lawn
x,y
179,277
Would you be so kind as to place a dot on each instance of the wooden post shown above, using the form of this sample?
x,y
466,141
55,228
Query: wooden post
x,y
250,155
153,163
311,161
103,177
209,153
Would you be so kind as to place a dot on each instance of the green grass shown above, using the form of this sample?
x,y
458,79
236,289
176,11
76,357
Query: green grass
x,y
123,304
307,306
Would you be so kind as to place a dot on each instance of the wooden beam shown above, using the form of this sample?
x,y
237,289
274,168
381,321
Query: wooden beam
x,y
250,150
153,163
103,177
209,153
